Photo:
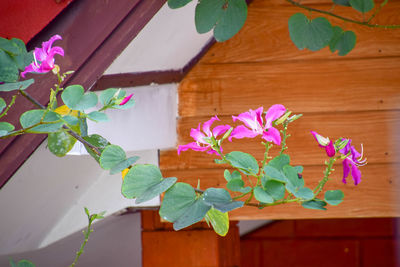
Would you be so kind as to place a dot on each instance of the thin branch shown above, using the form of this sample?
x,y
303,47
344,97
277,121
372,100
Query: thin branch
x,y
343,18
377,10
12,102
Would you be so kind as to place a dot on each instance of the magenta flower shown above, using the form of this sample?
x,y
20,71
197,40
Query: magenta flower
x,y
325,143
254,124
125,100
44,57
351,163
206,139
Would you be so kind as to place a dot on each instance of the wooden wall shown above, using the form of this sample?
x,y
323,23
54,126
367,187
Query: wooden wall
x,y
356,96
336,242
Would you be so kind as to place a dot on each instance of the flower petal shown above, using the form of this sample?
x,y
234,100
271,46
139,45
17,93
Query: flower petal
x,y
197,135
220,129
249,118
346,170
272,135
330,150
125,100
356,173
207,125
273,113
241,132
194,146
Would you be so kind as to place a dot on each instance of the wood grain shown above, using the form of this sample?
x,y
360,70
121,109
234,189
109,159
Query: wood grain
x,y
265,36
375,130
328,85
376,196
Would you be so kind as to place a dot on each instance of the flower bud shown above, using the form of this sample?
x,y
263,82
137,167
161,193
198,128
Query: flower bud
x,y
294,117
283,118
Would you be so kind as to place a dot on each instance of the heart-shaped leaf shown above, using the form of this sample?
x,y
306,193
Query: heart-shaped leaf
x,y
111,156
275,189
219,221
6,87
176,201
193,214
178,3
243,161
76,99
97,116
5,128
343,41
51,120
315,204
342,2
362,5
60,143
156,190
123,165
312,34
220,199
262,196
97,141
334,197
139,179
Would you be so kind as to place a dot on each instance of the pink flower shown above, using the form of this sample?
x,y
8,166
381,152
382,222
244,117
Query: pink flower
x,y
125,100
254,124
45,56
206,139
324,142
352,162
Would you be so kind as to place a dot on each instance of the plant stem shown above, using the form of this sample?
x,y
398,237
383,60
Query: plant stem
x,y
327,172
364,23
12,102
377,10
273,204
285,136
87,234
69,131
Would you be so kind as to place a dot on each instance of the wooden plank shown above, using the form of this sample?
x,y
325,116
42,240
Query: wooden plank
x,y
376,196
265,36
376,130
301,86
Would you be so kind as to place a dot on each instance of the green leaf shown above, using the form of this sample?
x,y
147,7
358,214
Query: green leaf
x,y
299,169
2,104
156,190
232,20
60,143
343,41
111,156
207,13
70,120
275,189
219,221
334,197
6,87
33,117
176,201
107,95
221,200
25,263
362,5
9,46
237,185
8,70
178,3
12,262
315,204
123,165
97,141
243,161
5,128
23,58
83,127
274,174
262,196
312,34
139,179
304,193
75,98
292,177
342,2
193,214
279,162
97,116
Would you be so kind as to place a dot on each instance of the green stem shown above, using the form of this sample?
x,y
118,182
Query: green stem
x,y
273,204
343,18
87,234
327,172
285,136
4,113
378,10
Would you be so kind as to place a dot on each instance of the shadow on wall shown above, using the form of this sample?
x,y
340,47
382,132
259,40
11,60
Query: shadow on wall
x,y
115,241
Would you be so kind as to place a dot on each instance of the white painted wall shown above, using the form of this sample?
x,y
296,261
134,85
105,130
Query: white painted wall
x,y
168,41
115,241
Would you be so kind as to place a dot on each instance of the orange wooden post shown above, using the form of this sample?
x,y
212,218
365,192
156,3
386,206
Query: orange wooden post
x,y
197,245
